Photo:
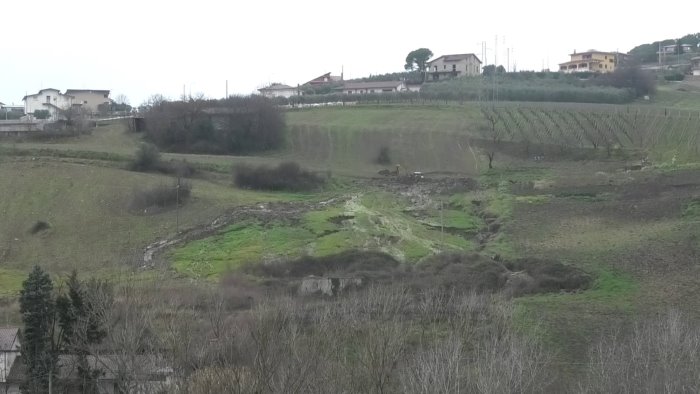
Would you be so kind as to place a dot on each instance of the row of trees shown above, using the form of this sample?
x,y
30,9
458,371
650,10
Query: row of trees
x,y
235,125
62,321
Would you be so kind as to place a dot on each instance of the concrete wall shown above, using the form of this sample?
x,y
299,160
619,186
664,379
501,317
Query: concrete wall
x,y
400,88
16,127
287,93
6,361
327,286
90,100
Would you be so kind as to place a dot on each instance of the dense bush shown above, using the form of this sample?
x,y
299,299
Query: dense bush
x,y
633,79
384,157
348,262
235,125
286,176
473,272
147,158
674,77
10,115
161,196
42,114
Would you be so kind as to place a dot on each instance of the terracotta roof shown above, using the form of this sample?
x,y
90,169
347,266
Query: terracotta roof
x,y
372,85
8,339
323,79
277,86
456,57
592,51
69,91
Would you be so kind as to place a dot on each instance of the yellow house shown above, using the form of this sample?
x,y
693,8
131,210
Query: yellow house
x,y
590,61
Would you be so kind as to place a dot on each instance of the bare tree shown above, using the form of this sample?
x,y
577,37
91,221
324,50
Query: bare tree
x,y
494,136
437,368
658,356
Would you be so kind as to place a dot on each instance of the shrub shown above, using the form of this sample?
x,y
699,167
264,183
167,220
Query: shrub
x,y
42,114
674,77
348,262
147,158
286,176
39,226
161,196
384,158
10,115
634,79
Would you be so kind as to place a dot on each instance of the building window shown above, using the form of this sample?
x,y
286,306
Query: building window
x,y
84,101
435,68
454,67
601,66
444,66
48,99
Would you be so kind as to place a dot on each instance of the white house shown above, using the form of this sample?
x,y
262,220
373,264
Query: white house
x,y
50,99
9,350
671,49
279,90
696,65
451,66
373,87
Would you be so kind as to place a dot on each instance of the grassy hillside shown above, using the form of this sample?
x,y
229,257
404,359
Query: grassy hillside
x,y
91,227
632,230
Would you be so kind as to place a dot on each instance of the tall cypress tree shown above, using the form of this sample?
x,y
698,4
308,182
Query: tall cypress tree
x,y
37,307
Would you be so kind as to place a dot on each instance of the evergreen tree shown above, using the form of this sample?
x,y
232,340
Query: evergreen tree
x,y
81,325
37,308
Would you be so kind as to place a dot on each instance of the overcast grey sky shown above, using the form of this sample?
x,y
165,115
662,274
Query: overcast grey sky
x,y
140,48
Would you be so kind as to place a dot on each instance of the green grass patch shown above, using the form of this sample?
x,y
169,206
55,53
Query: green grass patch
x,y
374,221
454,219
692,210
238,244
568,322
323,222
11,281
501,246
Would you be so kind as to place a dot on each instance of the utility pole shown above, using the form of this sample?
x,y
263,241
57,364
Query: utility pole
x,y
177,206
442,225
495,69
226,90
507,59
